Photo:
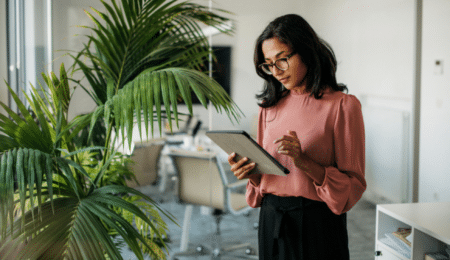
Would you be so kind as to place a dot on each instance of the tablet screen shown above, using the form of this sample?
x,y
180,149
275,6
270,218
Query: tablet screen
x,y
243,145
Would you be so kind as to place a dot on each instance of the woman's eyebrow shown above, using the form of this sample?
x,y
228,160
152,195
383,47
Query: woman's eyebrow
x,y
278,55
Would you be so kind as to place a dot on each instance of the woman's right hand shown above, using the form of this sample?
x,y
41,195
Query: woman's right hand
x,y
242,169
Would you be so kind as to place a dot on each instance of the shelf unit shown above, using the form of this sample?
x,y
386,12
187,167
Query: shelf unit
x,y
429,223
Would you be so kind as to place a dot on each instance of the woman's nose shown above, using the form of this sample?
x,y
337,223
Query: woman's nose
x,y
276,71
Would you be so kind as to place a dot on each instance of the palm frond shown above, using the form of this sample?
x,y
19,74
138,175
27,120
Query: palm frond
x,y
161,34
165,88
23,129
8,143
75,227
31,168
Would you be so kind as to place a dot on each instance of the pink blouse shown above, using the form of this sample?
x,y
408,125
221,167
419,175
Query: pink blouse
x,y
331,133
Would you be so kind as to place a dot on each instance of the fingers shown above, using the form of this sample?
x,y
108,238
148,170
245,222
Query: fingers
x,y
244,171
237,165
291,137
294,134
231,158
233,163
289,144
241,168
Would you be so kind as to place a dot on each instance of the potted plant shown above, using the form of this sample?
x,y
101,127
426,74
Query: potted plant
x,y
62,196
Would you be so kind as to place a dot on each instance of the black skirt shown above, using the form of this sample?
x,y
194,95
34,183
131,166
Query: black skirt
x,y
301,229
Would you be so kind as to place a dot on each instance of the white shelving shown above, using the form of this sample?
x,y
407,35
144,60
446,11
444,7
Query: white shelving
x,y
429,224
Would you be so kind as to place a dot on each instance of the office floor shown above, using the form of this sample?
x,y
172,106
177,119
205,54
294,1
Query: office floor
x,y
361,228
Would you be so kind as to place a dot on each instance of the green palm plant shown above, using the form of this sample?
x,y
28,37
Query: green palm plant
x,y
57,199
53,203
149,54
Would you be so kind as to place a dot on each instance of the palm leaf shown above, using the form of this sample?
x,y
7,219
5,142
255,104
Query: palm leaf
x,y
76,225
25,131
7,143
162,88
162,34
30,167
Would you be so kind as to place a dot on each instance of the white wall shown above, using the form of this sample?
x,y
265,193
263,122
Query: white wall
x,y
434,164
372,40
3,68
373,43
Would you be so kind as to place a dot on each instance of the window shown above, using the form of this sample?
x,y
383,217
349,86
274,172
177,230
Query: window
x,y
29,47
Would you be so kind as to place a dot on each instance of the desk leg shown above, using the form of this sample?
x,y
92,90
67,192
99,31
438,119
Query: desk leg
x,y
186,227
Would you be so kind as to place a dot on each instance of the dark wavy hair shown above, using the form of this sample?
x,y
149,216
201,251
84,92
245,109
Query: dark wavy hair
x,y
315,53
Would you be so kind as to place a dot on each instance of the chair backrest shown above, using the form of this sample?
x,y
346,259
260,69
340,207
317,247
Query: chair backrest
x,y
146,156
200,180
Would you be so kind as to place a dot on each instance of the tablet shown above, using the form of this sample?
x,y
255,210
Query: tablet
x,y
243,145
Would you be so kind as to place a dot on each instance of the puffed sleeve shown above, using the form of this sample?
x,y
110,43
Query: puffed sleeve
x,y
345,183
253,193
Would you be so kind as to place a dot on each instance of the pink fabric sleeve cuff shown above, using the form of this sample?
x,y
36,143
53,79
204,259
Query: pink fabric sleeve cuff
x,y
335,189
253,195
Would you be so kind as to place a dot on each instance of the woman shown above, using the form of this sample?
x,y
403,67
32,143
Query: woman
x,y
315,130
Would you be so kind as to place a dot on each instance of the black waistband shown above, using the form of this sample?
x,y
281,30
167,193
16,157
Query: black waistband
x,y
288,203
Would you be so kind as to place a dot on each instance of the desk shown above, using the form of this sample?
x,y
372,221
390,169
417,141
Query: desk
x,y
429,224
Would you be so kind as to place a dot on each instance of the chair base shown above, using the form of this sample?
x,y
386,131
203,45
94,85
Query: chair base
x,y
217,250
218,253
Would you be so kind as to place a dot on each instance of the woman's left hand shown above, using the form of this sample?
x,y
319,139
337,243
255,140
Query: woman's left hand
x,y
290,146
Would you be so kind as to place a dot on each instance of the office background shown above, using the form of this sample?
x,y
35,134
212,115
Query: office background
x,y
375,47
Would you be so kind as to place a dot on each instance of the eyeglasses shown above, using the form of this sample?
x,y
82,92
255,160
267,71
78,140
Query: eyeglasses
x,y
281,64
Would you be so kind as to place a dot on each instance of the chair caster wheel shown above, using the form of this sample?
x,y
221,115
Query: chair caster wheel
x,y
200,249
249,251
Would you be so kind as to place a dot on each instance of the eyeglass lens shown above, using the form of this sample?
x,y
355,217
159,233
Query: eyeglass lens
x,y
282,64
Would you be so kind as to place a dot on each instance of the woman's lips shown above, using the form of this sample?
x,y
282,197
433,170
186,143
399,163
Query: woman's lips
x,y
283,80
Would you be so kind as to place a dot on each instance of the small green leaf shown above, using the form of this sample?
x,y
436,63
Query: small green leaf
x,y
156,85
10,187
49,175
3,195
21,180
31,180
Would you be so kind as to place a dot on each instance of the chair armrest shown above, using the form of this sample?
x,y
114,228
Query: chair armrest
x,y
150,142
187,153
237,184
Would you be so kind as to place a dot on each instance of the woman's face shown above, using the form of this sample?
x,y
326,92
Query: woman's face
x,y
292,78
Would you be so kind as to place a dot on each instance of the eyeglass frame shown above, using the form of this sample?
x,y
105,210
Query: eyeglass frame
x,y
275,64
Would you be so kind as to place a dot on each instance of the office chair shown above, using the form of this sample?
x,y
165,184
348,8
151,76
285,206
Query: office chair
x,y
146,158
202,181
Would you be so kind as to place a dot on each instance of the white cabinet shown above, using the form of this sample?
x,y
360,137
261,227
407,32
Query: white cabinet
x,y
429,224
